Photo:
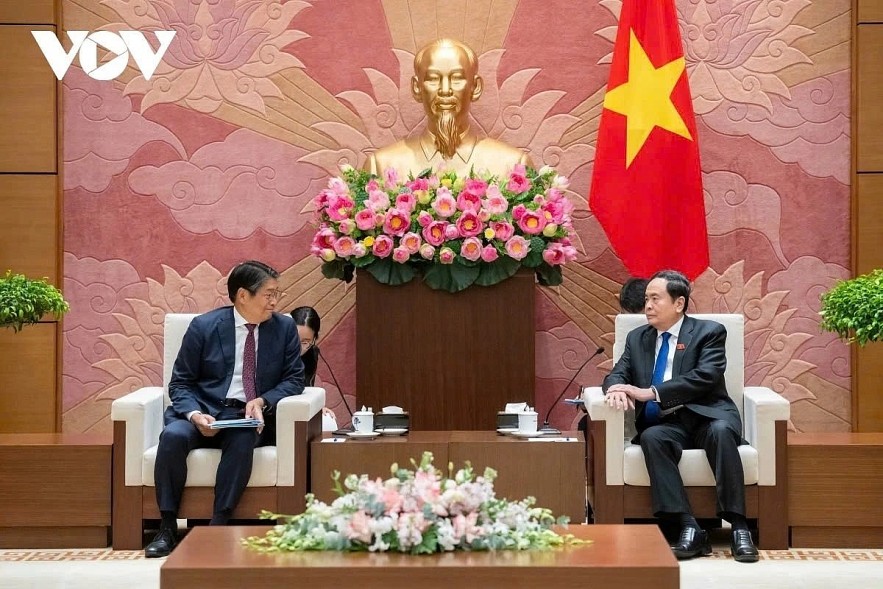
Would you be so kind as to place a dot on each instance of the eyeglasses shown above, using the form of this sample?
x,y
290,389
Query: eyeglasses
x,y
306,344
274,295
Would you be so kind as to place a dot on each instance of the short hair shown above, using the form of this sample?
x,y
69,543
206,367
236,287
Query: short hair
x,y
676,285
308,317
250,275
446,42
631,296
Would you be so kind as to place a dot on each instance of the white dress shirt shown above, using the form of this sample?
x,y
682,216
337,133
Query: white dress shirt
x,y
674,330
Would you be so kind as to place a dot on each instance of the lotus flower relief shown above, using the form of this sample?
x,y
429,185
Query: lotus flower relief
x,y
224,51
734,48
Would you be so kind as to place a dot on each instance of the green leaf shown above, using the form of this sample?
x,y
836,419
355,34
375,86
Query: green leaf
x,y
535,257
549,275
335,269
386,271
451,277
851,309
497,271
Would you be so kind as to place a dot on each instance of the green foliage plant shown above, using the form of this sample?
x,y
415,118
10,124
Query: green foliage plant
x,y
853,309
24,301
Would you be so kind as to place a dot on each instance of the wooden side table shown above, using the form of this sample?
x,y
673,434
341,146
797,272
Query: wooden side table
x,y
55,490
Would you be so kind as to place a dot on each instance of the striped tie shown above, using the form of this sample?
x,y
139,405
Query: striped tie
x,y
248,365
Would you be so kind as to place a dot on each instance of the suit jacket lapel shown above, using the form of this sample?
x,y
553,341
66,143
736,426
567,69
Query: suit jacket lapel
x,y
684,338
649,355
266,347
227,338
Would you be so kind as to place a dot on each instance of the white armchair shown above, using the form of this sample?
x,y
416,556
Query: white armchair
x,y
619,486
279,474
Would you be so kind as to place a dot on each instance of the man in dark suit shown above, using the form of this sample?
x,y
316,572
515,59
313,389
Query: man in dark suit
x,y
672,373
236,361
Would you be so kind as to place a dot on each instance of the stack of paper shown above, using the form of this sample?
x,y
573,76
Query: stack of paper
x,y
244,422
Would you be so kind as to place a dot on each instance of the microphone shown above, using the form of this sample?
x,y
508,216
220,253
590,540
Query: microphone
x,y
331,372
547,429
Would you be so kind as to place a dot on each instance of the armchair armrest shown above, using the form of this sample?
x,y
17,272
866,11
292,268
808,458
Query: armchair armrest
x,y
142,412
290,410
763,408
614,431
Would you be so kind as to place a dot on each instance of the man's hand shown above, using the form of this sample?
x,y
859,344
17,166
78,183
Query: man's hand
x,y
622,396
202,423
255,409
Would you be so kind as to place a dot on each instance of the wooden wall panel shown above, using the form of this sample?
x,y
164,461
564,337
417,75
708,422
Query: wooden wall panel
x,y
27,379
870,11
869,89
869,218
29,226
28,142
27,11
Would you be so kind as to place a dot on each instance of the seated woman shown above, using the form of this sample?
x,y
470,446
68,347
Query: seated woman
x,y
308,323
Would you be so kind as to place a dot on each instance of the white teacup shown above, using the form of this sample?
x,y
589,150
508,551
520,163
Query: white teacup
x,y
363,421
527,422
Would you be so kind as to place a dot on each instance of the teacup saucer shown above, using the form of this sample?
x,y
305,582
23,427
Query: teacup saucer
x,y
506,430
363,435
393,431
521,434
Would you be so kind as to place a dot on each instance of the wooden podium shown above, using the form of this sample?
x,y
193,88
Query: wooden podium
x,y
450,360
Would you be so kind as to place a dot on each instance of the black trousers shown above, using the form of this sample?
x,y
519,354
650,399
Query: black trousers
x,y
663,445
237,446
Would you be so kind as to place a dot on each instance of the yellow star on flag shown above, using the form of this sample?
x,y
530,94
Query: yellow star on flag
x,y
645,100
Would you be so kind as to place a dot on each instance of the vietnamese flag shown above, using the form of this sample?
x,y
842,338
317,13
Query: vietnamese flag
x,y
646,186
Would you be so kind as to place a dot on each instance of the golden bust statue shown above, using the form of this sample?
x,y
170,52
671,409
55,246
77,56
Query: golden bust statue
x,y
446,81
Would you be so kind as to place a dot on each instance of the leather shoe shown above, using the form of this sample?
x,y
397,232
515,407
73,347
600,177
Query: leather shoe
x,y
743,548
692,542
161,545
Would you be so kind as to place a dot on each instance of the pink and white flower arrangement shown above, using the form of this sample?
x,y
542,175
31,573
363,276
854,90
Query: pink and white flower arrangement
x,y
418,511
454,231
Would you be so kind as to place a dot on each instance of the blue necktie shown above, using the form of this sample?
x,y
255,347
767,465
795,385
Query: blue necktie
x,y
652,410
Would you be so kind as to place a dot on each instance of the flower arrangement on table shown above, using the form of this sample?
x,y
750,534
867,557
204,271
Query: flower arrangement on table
x,y
455,231
418,512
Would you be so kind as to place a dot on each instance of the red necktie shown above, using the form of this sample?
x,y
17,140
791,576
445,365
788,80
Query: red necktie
x,y
248,364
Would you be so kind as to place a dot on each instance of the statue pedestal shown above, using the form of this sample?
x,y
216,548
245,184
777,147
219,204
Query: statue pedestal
x,y
451,360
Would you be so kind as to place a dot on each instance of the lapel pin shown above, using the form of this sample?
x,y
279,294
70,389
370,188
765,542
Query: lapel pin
x,y
680,347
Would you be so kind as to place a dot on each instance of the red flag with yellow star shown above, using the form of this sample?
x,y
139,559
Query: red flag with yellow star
x,y
646,185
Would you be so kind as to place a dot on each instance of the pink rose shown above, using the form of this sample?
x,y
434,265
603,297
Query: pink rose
x,y
340,207
406,202
365,220
377,201
518,211
382,246
495,202
359,250
446,255
469,225
427,251
346,226
444,204
372,185
418,184
359,527
324,238
517,247
391,178
518,181
396,222
476,186
343,247
434,233
411,242
338,186
554,210
471,249
321,200
554,254
466,201
434,182
503,230
400,254
451,231
489,253
532,222
424,218
484,215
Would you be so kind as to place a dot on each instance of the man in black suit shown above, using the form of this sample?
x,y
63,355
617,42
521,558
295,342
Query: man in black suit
x,y
236,361
672,373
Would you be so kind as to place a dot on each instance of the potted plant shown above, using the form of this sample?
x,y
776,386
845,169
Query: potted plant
x,y
853,309
24,301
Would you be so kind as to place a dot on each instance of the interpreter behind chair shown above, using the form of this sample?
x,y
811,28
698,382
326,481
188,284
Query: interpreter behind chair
x,y
672,373
236,361
308,325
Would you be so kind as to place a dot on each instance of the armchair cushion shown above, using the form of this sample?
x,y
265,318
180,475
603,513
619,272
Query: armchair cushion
x,y
693,466
202,465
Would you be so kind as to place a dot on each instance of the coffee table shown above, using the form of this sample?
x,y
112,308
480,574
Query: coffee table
x,y
634,556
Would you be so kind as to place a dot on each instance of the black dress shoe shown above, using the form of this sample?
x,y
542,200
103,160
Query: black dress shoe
x,y
743,548
161,545
692,542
